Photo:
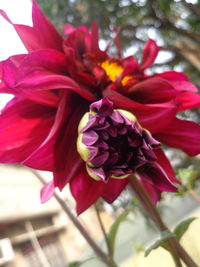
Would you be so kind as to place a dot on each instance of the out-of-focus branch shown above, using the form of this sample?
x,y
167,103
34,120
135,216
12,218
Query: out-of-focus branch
x,y
195,9
167,24
99,252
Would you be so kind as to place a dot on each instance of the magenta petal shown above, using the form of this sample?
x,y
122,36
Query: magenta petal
x,y
166,165
113,189
9,72
95,38
153,192
182,134
24,126
179,81
153,90
156,175
66,157
42,157
85,190
184,86
172,76
43,70
153,117
33,37
48,60
68,29
150,53
47,192
189,100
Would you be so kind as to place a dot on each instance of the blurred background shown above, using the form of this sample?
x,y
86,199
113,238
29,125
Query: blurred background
x,y
38,235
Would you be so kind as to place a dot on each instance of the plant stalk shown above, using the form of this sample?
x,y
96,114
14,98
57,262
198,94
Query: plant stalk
x,y
174,246
103,231
100,253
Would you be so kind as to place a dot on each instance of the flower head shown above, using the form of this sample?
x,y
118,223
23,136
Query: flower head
x,y
112,143
56,82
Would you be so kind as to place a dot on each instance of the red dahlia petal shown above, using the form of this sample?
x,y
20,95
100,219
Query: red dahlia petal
x,y
153,90
113,189
33,37
172,76
166,165
189,100
42,158
179,81
85,190
67,159
150,53
153,192
182,134
156,175
153,117
24,126
47,192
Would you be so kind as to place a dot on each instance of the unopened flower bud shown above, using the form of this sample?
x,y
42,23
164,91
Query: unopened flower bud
x,y
112,142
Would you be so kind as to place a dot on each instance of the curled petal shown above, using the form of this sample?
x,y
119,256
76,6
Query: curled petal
x,y
66,157
153,192
85,190
178,80
150,53
182,134
166,165
153,117
33,37
24,126
153,90
113,189
42,158
172,76
47,192
189,100
68,29
157,176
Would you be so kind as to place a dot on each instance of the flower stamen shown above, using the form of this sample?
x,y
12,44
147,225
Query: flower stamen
x,y
113,70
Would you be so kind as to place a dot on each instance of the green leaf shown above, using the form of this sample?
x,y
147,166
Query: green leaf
x,y
182,227
160,242
75,264
188,176
182,191
114,229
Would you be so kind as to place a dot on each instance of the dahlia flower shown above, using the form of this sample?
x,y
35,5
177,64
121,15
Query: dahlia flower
x,y
128,113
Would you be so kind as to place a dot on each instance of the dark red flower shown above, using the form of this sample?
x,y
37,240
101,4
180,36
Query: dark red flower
x,y
53,86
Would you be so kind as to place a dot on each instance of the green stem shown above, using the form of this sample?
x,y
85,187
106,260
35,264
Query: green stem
x,y
174,246
103,231
100,253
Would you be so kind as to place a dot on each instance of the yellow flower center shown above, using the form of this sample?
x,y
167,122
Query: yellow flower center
x,y
113,70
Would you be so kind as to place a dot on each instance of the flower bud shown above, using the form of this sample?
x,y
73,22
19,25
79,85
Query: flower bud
x,y
112,142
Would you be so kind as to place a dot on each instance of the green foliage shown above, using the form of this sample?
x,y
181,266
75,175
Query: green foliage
x,y
160,242
115,227
139,247
75,264
182,227
188,177
178,232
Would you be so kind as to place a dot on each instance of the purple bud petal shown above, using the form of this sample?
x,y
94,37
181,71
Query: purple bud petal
x,y
103,107
90,137
99,159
